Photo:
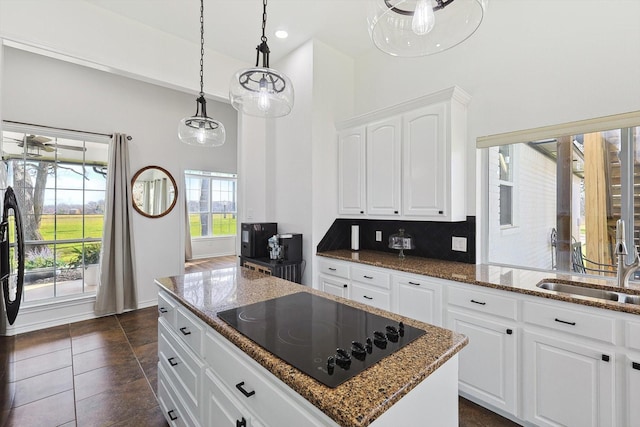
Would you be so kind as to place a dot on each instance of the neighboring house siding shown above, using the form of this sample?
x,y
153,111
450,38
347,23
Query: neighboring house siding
x,y
526,243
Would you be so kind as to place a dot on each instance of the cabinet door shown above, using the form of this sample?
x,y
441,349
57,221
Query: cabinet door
x,y
334,287
418,299
383,167
370,295
633,391
487,368
220,408
425,163
351,171
567,383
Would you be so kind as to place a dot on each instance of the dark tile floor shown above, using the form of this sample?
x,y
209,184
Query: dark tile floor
x,y
102,372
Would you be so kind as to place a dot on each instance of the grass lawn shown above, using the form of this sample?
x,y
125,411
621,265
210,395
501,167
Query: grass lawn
x,y
221,226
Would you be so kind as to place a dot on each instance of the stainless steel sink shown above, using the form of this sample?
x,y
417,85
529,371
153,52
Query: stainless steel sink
x,y
630,299
579,290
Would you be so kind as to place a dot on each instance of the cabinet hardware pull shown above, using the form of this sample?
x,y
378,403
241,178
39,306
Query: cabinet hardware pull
x,y
478,302
605,357
361,212
185,331
242,423
332,269
172,361
509,331
440,212
368,277
414,283
162,310
344,286
364,296
172,415
395,212
240,386
565,322
635,365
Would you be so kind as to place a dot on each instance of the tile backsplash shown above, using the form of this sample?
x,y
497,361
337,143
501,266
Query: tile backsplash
x,y
431,239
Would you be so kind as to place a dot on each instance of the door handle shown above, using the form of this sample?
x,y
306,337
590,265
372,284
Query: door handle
x,y
565,322
478,302
185,331
172,415
172,361
240,386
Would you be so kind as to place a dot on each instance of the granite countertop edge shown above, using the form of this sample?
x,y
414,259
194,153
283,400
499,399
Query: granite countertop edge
x,y
340,404
490,276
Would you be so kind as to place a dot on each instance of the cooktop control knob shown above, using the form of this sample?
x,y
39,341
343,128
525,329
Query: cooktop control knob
x,y
379,339
401,329
392,333
331,364
343,358
369,345
358,350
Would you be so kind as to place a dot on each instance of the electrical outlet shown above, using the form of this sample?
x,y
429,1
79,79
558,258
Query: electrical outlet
x,y
378,236
459,244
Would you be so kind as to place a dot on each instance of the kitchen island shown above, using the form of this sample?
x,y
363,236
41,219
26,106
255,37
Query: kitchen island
x,y
201,356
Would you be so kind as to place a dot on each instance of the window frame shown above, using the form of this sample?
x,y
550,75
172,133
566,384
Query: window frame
x,y
212,176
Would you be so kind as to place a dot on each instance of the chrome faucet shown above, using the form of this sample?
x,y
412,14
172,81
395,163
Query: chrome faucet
x,y
624,271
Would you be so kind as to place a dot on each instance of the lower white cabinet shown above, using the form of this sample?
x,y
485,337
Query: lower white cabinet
x,y
566,382
174,409
367,294
419,298
488,364
632,375
334,286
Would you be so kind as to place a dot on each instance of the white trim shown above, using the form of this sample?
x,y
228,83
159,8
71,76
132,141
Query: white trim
x,y
617,121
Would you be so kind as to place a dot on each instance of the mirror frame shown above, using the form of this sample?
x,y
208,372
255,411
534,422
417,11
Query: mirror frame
x,y
173,182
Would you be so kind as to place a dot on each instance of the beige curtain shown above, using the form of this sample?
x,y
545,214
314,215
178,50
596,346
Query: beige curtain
x,y
117,287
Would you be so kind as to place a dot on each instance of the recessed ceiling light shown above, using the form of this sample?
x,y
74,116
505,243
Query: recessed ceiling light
x,y
281,34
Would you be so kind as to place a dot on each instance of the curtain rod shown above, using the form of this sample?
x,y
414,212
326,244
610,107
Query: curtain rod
x,y
64,129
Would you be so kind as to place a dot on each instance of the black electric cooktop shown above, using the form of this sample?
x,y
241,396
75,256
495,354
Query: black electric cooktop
x,y
325,339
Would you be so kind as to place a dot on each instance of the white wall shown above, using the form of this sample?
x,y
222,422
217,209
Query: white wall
x,y
531,63
47,91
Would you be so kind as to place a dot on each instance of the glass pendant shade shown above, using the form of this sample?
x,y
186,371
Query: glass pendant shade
x,y
201,130
413,28
262,92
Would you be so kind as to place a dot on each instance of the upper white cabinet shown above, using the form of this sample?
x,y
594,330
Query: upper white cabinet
x,y
351,171
406,161
383,166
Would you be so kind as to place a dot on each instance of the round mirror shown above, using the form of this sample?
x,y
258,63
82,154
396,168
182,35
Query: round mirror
x,y
154,192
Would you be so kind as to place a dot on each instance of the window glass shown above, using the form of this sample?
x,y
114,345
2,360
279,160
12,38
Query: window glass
x,y
211,203
568,192
60,184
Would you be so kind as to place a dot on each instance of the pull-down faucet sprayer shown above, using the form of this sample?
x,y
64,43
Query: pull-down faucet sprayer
x,y
624,271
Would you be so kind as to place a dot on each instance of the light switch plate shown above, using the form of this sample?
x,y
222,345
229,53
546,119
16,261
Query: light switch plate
x,y
378,236
459,244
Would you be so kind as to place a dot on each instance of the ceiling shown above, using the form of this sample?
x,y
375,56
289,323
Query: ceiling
x,y
233,27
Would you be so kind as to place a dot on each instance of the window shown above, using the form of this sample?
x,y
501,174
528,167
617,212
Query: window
x,y
211,203
571,190
59,181
505,171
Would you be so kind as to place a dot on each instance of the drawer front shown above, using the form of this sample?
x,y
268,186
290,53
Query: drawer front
x,y
334,268
371,277
172,409
371,296
180,364
254,387
566,320
632,332
220,408
167,308
190,330
484,302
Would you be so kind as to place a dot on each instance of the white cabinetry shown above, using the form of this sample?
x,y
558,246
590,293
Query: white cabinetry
x,y
415,160
334,277
567,383
631,374
418,297
337,287
351,171
371,286
488,365
383,167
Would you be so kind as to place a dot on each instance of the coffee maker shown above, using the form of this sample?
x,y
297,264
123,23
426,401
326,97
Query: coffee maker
x,y
254,237
285,247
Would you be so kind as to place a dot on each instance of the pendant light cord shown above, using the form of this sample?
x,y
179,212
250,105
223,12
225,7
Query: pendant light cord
x,y
264,20
202,46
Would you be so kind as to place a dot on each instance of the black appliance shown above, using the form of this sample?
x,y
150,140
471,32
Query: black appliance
x,y
286,247
325,339
254,238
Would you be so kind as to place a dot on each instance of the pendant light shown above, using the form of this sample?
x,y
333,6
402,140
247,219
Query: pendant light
x,y
261,91
422,27
200,129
